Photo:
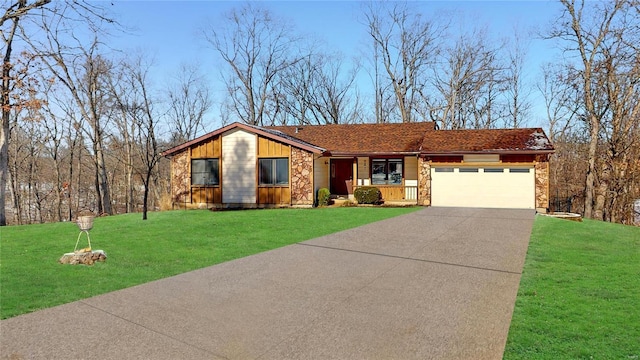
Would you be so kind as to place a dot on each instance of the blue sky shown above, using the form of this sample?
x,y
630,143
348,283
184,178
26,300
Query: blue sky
x,y
169,29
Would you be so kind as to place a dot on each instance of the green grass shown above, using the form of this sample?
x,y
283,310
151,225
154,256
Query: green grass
x,y
579,295
168,243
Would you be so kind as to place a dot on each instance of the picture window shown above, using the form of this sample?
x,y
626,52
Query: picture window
x,y
386,171
204,172
274,171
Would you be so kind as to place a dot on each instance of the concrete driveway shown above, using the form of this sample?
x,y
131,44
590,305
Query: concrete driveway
x,y
439,283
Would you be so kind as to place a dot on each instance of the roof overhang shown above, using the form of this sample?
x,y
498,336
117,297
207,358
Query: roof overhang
x,y
253,129
487,152
370,153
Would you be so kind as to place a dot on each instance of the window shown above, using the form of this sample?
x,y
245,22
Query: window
x,y
446,169
493,170
274,171
468,170
386,171
204,172
517,170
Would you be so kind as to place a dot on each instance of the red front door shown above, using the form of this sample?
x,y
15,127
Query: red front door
x,y
341,170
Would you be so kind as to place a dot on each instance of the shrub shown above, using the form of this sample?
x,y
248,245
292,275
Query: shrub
x,y
368,195
324,196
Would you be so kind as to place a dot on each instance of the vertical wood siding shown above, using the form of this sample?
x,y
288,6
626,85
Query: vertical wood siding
x,y
274,195
207,149
269,148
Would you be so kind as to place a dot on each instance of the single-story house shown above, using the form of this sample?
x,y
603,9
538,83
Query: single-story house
x,y
241,165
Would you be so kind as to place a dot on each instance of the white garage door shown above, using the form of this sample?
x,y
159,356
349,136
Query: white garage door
x,y
489,187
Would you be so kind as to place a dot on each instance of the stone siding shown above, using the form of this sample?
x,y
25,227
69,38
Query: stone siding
x,y
542,183
180,179
424,182
301,177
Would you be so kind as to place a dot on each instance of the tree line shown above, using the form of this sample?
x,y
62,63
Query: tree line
x,y
84,124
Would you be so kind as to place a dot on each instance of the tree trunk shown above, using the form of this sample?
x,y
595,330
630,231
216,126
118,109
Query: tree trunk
x,y
129,167
145,199
4,149
589,188
6,114
102,179
15,197
96,183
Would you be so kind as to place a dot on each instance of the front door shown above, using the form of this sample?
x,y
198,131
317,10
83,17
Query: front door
x,y
341,171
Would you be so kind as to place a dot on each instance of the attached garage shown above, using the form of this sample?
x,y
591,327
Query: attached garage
x,y
483,186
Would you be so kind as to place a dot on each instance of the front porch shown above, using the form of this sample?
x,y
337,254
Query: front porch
x,y
397,194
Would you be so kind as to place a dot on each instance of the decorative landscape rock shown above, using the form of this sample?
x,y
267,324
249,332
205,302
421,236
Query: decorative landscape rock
x,y
83,257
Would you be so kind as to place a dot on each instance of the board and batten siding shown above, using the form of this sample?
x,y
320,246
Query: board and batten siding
x,y
209,149
269,194
239,167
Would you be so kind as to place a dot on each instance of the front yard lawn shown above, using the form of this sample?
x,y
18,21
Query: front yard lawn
x,y
166,244
579,295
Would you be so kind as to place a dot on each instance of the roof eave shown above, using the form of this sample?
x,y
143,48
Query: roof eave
x,y
256,130
369,153
494,151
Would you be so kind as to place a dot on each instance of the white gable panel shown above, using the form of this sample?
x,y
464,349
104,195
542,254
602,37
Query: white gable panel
x,y
239,167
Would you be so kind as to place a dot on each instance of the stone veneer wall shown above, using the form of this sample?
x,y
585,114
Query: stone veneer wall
x,y
542,183
301,177
424,182
180,179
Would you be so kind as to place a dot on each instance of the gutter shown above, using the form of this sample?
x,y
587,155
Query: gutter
x,y
506,152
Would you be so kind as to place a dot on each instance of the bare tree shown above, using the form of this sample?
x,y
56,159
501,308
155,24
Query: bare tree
x,y
407,45
136,119
561,99
335,97
595,34
16,15
145,126
14,11
189,100
620,73
54,127
517,91
319,90
84,72
568,164
257,47
468,83
122,92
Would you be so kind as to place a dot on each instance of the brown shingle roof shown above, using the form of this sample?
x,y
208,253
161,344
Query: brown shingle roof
x,y
397,138
493,140
344,139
